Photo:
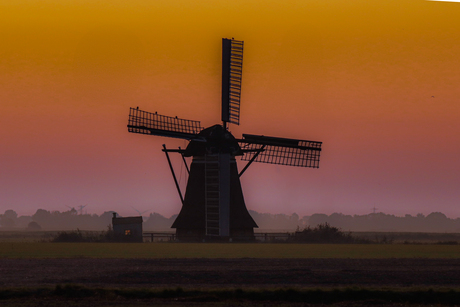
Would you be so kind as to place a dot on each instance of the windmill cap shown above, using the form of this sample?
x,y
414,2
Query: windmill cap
x,y
217,140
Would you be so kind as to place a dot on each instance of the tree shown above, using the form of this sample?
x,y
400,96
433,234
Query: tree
x,y
43,217
317,219
8,219
7,222
11,214
33,226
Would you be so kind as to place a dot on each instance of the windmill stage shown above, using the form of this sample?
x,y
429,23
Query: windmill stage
x,y
213,206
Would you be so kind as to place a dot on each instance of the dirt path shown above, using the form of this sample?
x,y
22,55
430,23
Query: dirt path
x,y
219,273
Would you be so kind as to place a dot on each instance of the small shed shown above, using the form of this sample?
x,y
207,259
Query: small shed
x,y
127,229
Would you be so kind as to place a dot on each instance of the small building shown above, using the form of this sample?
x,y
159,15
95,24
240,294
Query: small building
x,y
127,229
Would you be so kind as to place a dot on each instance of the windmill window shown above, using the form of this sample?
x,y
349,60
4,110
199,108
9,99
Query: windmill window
x,y
127,232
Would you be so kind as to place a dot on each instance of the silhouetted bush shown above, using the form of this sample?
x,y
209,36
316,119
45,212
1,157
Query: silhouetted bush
x,y
325,233
69,236
384,239
446,243
33,226
79,236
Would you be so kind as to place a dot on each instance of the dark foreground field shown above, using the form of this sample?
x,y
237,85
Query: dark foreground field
x,y
219,281
218,273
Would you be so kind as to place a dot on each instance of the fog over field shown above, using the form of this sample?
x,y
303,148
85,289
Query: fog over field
x,y
73,219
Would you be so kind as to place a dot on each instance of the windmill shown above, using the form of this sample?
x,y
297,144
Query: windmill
x,y
75,211
80,208
213,206
139,212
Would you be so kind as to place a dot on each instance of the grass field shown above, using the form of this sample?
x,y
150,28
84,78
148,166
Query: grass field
x,y
225,250
354,275
41,273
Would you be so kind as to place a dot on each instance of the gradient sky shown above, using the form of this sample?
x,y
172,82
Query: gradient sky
x,y
377,81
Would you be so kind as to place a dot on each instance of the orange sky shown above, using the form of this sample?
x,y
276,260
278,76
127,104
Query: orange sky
x,y
375,80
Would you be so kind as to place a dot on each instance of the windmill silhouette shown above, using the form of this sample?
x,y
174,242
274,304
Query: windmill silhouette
x,y
213,206
139,212
75,211
80,208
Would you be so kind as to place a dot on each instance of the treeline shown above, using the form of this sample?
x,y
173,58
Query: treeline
x,y
55,220
71,220
433,222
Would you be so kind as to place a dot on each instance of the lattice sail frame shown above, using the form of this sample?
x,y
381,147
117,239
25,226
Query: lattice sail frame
x,y
152,123
281,151
232,71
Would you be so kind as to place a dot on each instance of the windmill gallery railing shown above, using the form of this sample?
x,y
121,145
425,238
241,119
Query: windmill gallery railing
x,y
263,237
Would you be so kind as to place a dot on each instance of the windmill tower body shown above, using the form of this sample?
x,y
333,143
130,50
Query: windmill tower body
x,y
202,215
214,205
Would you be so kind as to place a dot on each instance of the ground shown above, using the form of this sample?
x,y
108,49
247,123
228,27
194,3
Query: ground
x,y
225,273
222,275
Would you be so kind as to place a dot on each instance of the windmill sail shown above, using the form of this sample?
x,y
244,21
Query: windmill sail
x,y
232,68
152,123
281,151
